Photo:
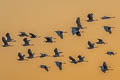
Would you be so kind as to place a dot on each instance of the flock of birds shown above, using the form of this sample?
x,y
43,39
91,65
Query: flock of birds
x,y
75,31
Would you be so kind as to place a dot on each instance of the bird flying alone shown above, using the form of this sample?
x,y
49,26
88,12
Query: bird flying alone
x,y
72,60
5,42
110,53
44,67
31,54
33,35
108,29
49,39
104,67
91,45
23,34
57,53
60,33
59,65
9,39
21,57
78,23
75,30
26,42
100,41
106,17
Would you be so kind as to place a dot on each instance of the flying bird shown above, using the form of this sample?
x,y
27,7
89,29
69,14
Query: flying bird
x,y
78,33
78,23
33,35
100,41
26,42
106,17
72,60
44,67
108,29
110,53
91,45
57,53
23,34
43,55
105,65
59,65
60,33
5,42
30,53
81,58
103,69
49,39
9,39
75,30
21,57
90,17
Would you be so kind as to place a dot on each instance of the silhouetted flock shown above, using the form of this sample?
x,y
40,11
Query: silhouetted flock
x,y
75,31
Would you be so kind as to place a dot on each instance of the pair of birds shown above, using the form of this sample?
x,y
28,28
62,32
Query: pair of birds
x,y
7,39
58,64
92,45
31,54
90,17
80,59
31,35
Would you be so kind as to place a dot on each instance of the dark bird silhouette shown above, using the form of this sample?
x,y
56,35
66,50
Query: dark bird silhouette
x,y
57,53
30,53
104,67
110,53
33,35
21,57
91,45
49,39
106,17
90,17
78,23
60,33
43,55
100,41
5,43
75,30
59,65
26,42
23,34
9,39
78,33
72,60
81,58
44,67
108,29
